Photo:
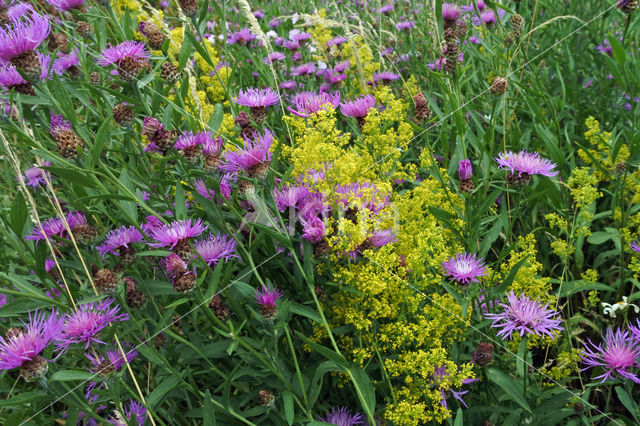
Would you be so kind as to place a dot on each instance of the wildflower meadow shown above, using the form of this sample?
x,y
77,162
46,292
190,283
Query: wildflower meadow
x,y
324,212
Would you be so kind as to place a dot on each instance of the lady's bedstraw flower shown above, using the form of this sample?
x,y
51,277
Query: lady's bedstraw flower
x,y
266,298
525,315
258,100
176,236
84,325
358,108
130,56
119,242
215,248
617,356
523,164
22,347
465,268
19,41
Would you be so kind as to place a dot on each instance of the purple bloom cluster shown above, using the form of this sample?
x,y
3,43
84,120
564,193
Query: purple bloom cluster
x,y
358,107
256,98
120,237
24,35
523,162
171,234
342,416
215,248
307,103
253,156
84,325
616,355
134,50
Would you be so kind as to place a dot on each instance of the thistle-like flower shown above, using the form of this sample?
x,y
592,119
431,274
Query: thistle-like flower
x,y
342,417
358,108
112,361
84,325
119,242
524,164
66,5
134,411
176,236
307,103
35,176
182,279
22,347
617,355
131,57
19,40
465,268
266,298
525,315
258,100
215,248
254,158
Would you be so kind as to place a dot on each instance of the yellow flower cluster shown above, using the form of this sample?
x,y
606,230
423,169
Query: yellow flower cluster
x,y
600,153
566,364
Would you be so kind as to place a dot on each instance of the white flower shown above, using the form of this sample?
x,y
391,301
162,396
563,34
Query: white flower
x,y
272,34
620,306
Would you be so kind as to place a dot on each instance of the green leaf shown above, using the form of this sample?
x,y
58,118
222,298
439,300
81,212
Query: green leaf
x,y
512,390
167,384
296,308
618,51
98,143
628,402
459,418
185,53
316,382
181,208
510,277
337,358
23,398
18,213
208,415
216,118
67,375
287,398
368,393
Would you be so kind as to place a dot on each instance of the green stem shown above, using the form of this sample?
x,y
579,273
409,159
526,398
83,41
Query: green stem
x,y
298,372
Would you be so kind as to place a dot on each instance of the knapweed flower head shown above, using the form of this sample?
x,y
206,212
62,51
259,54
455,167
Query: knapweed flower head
x,y
307,103
465,268
441,373
26,345
523,162
23,36
119,240
266,297
450,12
385,77
358,107
49,228
66,5
130,56
35,176
635,246
84,325
171,234
244,36
215,248
526,316
254,157
10,78
361,195
488,17
465,170
113,359
135,50
289,196
342,416
132,412
57,124
255,98
616,355
313,229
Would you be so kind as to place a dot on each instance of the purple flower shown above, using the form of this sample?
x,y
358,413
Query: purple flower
x,y
274,57
385,9
439,374
488,17
529,163
382,238
337,40
342,66
190,143
465,170
289,196
134,411
405,25
525,315
171,234
307,103
313,229
342,417
35,176
385,77
10,78
362,195
255,98
254,158
623,4
58,124
114,358
127,49
65,61
23,35
267,296
300,36
84,325
210,144
25,346
49,228
66,5
619,354
244,36
635,246
605,48
450,12
118,239
359,107
202,189
464,268
304,69
216,247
